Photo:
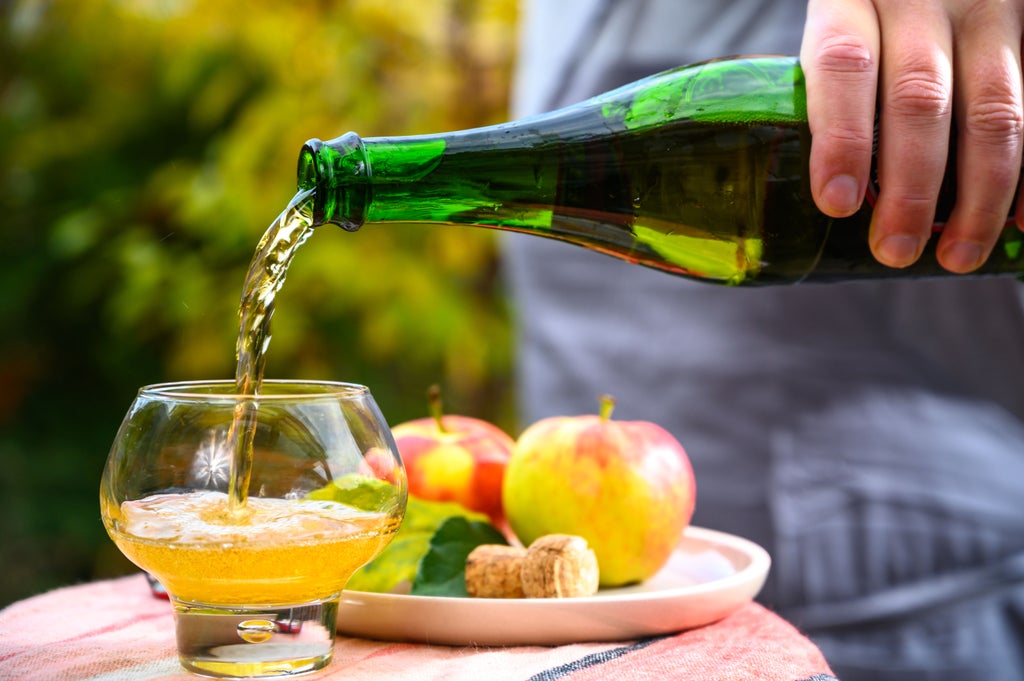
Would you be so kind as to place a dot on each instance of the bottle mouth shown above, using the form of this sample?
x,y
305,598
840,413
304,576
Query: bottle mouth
x,y
337,173
309,177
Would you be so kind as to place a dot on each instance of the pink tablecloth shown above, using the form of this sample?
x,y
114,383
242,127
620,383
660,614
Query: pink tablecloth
x,y
115,631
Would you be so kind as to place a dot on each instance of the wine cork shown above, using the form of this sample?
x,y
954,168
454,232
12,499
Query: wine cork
x,y
559,566
493,571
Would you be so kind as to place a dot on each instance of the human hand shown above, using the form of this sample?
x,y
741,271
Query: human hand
x,y
928,61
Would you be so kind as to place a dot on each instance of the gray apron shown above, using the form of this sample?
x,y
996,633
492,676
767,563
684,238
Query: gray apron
x,y
869,435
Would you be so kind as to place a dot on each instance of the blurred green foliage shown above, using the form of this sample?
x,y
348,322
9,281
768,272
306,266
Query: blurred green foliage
x,y
145,146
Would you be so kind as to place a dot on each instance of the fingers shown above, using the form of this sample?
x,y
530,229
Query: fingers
x,y
990,117
927,60
839,57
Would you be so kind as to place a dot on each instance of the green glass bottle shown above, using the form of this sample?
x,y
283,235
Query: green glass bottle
x,y
700,171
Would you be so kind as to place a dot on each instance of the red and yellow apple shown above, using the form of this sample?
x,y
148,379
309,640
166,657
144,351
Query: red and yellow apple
x,y
455,458
627,487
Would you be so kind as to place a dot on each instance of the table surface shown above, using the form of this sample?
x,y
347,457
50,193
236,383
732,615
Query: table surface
x,y
115,630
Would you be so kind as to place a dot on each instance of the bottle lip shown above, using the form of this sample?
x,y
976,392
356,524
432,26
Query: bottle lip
x,y
309,176
333,170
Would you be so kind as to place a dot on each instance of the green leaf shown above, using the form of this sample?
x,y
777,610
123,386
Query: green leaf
x,y
442,572
357,491
399,562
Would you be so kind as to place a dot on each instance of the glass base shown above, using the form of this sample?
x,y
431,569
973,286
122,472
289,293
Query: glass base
x,y
255,642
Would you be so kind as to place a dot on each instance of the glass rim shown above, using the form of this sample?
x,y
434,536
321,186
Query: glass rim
x,y
271,389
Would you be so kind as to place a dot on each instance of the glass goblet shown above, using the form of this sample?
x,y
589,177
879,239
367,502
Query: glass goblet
x,y
253,511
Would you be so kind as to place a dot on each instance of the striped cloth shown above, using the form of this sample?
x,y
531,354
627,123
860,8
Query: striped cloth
x,y
116,631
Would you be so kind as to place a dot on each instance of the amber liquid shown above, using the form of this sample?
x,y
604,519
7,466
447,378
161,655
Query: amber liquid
x,y
255,596
266,275
285,551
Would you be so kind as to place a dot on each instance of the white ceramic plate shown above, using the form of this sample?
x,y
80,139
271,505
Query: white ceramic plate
x,y
710,575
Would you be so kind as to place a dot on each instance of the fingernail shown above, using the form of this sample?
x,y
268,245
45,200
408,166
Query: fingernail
x,y
962,256
897,250
842,195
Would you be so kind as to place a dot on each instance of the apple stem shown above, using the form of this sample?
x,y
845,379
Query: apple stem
x,y
436,407
607,406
